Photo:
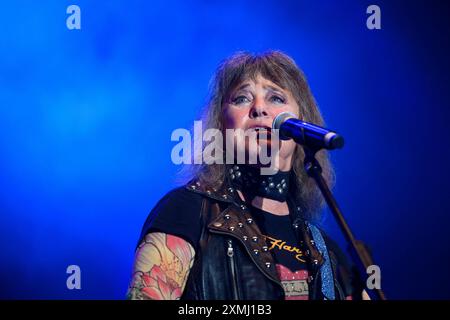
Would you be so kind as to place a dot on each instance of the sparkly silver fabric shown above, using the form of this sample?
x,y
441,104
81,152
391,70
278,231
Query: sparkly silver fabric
x,y
326,272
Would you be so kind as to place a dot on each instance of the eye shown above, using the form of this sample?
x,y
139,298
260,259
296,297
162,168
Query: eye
x,y
240,100
277,99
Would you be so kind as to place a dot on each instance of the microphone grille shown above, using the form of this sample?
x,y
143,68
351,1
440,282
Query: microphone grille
x,y
282,117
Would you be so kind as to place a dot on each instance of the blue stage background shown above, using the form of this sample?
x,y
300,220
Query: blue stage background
x,y
86,117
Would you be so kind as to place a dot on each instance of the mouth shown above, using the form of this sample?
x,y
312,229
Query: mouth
x,y
260,128
262,132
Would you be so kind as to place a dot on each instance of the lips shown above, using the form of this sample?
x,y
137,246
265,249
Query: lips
x,y
259,127
262,131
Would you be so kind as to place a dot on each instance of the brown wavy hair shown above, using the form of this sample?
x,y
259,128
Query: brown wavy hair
x,y
283,71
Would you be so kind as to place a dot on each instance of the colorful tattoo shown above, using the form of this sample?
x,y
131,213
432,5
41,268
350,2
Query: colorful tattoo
x,y
161,268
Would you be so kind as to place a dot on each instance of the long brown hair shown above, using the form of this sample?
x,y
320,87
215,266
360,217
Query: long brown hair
x,y
283,71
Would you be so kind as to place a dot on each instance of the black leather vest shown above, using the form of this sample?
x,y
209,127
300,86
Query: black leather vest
x,y
232,260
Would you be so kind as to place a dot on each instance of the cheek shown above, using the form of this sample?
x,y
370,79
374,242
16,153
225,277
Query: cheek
x,y
233,118
295,110
287,108
292,108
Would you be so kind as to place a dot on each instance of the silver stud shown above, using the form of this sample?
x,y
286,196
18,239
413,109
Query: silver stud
x,y
224,196
265,248
315,261
312,242
271,185
283,181
208,192
284,185
245,238
264,182
227,217
240,224
255,239
232,177
231,190
256,251
231,228
236,167
238,174
249,220
193,187
197,183
230,171
295,225
268,264
243,207
280,190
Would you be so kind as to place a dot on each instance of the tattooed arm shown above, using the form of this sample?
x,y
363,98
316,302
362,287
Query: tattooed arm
x,y
161,267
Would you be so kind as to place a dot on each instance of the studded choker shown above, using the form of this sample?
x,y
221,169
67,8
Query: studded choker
x,y
249,180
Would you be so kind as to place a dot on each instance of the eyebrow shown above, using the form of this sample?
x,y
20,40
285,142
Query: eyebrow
x,y
245,85
273,88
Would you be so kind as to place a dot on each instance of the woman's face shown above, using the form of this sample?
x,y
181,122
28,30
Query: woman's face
x,y
255,103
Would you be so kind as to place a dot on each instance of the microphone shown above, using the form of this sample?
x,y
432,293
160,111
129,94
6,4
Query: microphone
x,y
305,133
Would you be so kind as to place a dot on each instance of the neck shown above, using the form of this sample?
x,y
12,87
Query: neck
x,y
267,192
269,205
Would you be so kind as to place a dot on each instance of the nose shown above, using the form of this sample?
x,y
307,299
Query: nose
x,y
258,110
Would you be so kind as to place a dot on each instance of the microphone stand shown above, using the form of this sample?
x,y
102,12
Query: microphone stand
x,y
360,254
